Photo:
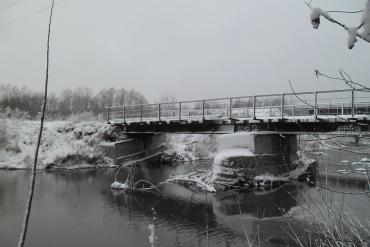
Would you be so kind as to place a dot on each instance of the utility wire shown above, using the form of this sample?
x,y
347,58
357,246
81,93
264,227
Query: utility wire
x,y
9,5
23,234
30,15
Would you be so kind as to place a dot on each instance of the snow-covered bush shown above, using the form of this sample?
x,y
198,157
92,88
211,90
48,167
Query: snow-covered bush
x,y
83,116
7,112
3,134
64,144
191,147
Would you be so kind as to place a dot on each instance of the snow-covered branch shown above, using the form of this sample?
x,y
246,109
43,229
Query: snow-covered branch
x,y
353,33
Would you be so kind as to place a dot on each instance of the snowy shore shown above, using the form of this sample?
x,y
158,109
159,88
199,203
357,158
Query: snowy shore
x,y
64,144
71,145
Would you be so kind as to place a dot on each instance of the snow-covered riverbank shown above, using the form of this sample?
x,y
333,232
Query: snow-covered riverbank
x,y
70,145
64,144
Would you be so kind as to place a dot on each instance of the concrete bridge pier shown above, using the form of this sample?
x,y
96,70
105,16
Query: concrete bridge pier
x,y
241,157
135,146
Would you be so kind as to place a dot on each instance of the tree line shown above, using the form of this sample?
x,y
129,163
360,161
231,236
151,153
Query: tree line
x,y
24,102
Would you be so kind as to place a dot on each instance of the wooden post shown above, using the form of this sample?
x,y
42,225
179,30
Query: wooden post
x,y
159,112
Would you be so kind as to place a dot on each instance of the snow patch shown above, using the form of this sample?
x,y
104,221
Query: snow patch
x,y
315,17
223,155
119,186
190,147
352,39
236,140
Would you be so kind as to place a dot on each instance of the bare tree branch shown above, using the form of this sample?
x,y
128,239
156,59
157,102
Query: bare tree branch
x,y
23,234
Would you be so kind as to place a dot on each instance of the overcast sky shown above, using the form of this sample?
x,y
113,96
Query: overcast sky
x,y
191,48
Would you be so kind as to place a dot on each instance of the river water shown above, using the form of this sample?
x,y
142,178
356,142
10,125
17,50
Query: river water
x,y
78,208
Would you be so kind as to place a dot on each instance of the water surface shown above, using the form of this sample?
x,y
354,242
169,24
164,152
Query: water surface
x,y
78,208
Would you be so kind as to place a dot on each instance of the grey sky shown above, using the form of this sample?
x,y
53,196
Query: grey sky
x,y
192,48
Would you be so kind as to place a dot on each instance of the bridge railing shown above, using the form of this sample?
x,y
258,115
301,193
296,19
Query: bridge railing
x,y
302,104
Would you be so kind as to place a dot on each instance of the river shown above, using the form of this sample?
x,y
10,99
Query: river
x,y
78,208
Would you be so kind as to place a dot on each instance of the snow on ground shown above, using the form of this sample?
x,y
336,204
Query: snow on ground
x,y
188,147
223,155
236,140
64,144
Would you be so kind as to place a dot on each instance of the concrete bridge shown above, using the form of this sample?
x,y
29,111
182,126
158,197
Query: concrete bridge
x,y
319,111
345,111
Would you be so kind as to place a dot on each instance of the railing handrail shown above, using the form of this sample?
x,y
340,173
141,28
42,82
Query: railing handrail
x,y
240,97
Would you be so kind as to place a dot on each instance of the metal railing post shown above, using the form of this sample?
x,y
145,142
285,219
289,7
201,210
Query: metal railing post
x,y
180,111
141,113
315,109
203,103
353,103
254,107
282,106
159,112
230,107
124,114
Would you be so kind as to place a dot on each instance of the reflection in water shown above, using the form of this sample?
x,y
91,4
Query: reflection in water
x,y
78,208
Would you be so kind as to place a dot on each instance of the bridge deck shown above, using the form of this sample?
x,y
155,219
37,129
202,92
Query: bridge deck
x,y
307,111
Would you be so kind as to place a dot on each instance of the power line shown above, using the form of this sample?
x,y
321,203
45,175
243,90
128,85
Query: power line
x,y
30,15
9,5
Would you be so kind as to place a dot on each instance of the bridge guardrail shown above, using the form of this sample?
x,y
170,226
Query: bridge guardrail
x,y
301,104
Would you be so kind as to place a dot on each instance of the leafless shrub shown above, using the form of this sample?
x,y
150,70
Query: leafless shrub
x,y
83,116
3,133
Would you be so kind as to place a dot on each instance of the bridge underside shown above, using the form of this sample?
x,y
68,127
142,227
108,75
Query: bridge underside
x,y
342,125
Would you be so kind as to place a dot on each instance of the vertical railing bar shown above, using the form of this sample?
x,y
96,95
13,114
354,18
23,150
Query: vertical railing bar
x,y
141,113
254,107
230,107
203,102
282,106
159,112
124,114
353,103
180,111
315,110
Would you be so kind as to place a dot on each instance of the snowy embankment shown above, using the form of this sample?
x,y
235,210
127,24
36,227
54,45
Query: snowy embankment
x,y
185,147
64,144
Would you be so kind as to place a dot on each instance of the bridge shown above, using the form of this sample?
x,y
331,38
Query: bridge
x,y
319,111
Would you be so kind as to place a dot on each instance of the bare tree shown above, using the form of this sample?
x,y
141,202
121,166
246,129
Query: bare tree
x,y
23,233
